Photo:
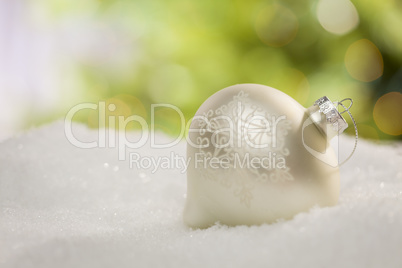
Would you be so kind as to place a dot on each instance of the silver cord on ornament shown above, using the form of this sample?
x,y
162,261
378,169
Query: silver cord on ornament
x,y
354,124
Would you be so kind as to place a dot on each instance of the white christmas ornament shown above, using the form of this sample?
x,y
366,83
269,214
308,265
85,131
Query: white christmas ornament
x,y
256,155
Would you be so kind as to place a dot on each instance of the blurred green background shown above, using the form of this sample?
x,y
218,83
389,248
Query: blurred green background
x,y
134,53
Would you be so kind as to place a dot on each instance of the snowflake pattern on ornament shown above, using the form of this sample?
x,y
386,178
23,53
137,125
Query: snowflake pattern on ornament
x,y
230,133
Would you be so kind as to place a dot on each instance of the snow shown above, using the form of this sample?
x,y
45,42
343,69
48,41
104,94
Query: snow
x,y
62,206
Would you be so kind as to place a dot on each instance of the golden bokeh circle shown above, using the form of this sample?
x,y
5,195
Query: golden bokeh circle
x,y
364,61
119,107
387,113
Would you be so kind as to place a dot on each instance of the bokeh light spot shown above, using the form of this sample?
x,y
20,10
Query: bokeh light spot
x,y
123,106
364,61
387,113
276,25
337,16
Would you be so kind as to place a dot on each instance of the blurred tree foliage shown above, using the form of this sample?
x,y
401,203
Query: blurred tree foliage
x,y
182,51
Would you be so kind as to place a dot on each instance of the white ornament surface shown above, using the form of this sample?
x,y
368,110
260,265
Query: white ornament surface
x,y
241,110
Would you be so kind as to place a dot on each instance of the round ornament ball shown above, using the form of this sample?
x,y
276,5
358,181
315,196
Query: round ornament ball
x,y
256,155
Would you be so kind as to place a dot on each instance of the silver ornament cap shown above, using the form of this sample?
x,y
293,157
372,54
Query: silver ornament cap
x,y
327,118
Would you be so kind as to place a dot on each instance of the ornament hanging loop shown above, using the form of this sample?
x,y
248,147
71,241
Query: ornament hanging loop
x,y
350,105
346,109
